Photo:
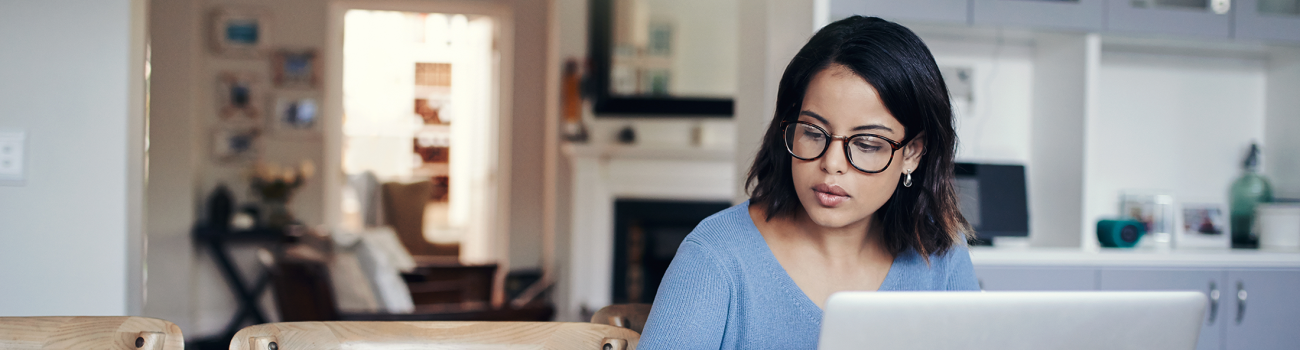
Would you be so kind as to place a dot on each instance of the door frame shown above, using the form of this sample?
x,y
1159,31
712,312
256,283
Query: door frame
x,y
502,15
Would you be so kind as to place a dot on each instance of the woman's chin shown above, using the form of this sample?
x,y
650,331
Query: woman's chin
x,y
832,218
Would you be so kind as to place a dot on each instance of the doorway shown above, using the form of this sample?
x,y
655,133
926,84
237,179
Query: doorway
x,y
418,89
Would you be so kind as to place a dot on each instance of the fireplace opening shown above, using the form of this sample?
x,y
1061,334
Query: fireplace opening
x,y
646,236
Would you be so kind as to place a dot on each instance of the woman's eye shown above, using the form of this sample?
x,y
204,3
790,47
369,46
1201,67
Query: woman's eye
x,y
866,147
813,135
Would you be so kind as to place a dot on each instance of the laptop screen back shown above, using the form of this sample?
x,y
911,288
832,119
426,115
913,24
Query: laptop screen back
x,y
1012,320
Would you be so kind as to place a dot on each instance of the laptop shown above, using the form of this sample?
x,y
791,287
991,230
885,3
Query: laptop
x,y
1012,320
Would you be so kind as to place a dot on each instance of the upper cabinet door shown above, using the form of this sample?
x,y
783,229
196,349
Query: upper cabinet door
x,y
1081,15
1210,282
1193,18
941,11
1263,310
1270,20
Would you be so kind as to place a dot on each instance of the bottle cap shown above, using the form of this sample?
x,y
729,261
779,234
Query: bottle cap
x,y
1252,158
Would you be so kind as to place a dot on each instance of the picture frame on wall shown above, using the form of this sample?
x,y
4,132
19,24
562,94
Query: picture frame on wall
x,y
236,144
242,32
296,115
239,97
296,68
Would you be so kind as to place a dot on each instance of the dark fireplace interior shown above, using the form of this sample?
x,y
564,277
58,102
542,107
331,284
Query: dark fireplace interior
x,y
646,236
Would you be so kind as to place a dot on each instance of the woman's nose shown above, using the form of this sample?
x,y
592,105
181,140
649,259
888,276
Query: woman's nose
x,y
834,161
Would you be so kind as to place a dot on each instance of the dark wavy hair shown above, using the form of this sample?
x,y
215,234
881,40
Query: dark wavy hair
x,y
924,217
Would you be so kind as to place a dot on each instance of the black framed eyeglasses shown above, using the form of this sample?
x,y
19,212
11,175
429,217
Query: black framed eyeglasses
x,y
869,153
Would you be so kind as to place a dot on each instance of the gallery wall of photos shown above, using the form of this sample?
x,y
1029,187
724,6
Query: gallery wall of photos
x,y
282,102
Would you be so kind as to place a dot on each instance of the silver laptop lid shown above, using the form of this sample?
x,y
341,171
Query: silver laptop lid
x,y
1012,320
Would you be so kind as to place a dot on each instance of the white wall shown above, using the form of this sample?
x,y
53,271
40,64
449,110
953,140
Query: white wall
x,y
528,128
70,237
1064,76
1177,123
771,34
174,157
1282,122
995,125
704,39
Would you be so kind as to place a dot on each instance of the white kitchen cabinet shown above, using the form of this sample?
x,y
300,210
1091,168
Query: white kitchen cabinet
x,y
1274,21
1267,20
1187,18
1019,278
1268,282
936,11
1080,15
1263,309
1208,281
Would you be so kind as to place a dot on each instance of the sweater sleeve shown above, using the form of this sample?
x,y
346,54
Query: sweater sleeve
x,y
961,273
690,307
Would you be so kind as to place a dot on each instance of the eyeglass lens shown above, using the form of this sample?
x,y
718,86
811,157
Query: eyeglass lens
x,y
865,152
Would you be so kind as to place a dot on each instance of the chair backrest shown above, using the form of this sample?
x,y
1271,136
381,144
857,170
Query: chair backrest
x,y
630,316
89,332
476,335
404,210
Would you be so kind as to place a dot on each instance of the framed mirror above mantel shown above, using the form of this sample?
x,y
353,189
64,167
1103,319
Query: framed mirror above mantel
x,y
663,58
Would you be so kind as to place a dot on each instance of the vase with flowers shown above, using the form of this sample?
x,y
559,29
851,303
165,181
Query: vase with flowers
x,y
275,185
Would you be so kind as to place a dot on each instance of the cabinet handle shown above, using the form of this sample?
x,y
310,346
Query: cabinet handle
x,y
1214,302
1241,302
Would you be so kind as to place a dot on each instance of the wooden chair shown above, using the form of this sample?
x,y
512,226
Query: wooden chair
x,y
630,316
89,332
433,335
404,211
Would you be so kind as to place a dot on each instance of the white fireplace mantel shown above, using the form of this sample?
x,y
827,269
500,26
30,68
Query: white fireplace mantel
x,y
603,173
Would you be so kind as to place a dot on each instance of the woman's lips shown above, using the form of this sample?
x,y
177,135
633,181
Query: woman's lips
x,y
830,195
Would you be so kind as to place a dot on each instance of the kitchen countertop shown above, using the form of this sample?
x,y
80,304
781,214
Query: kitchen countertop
x,y
1116,257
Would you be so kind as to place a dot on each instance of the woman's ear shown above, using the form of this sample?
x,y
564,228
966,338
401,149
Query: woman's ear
x,y
913,151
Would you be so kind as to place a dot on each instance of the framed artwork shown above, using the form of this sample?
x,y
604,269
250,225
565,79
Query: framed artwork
x,y
236,144
1204,226
1155,210
296,68
296,114
239,96
240,31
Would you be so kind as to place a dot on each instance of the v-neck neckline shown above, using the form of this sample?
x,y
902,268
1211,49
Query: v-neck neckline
x,y
787,283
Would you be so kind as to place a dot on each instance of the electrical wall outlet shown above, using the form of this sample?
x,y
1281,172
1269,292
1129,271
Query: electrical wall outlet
x,y
13,154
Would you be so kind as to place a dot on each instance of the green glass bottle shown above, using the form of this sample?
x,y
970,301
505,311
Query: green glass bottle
x,y
1248,191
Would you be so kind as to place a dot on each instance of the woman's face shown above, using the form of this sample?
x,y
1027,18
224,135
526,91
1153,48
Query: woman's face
x,y
832,191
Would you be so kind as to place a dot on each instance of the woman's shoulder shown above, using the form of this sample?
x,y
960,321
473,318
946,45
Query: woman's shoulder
x,y
726,231
948,270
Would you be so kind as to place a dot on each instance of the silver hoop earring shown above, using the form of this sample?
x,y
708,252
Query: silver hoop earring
x,y
907,178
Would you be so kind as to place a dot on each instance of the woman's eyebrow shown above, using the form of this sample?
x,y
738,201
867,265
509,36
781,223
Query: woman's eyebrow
x,y
856,128
816,116
872,127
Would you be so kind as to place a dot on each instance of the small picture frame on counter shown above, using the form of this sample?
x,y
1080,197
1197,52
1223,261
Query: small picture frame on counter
x,y
1204,225
1155,210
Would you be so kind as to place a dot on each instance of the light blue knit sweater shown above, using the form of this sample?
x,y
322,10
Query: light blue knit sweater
x,y
725,290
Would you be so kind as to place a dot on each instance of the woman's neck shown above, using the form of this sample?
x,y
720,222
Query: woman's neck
x,y
849,244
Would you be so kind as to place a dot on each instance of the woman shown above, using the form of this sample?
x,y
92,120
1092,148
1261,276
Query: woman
x,y
851,190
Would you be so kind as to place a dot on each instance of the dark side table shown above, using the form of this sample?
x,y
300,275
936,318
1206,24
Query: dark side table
x,y
215,240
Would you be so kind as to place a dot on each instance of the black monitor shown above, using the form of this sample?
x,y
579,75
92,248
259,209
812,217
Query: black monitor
x,y
993,200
